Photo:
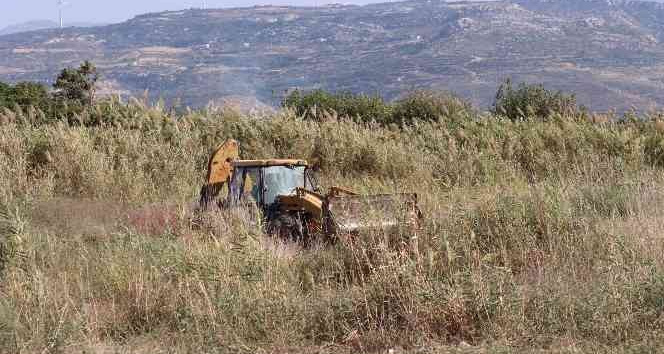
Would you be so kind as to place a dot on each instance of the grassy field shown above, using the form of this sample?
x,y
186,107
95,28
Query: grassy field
x,y
539,237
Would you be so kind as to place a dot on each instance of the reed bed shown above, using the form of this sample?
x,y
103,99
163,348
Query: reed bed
x,y
540,236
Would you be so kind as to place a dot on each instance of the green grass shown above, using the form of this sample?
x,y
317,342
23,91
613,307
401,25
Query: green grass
x,y
539,237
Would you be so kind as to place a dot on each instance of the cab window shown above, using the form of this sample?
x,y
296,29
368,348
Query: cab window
x,y
281,180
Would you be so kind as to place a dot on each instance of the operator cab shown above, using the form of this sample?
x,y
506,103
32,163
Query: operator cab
x,y
262,181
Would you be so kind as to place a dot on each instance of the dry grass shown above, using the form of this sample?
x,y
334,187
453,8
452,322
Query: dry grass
x,y
539,237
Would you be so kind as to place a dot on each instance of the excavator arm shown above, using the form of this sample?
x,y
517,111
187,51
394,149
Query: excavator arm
x,y
303,200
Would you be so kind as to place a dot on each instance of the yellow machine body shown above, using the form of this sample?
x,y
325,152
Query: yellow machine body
x,y
339,211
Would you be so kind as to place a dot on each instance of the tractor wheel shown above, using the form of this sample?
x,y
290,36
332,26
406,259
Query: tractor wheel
x,y
288,227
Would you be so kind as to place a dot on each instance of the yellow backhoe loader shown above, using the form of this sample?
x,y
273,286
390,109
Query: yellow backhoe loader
x,y
292,206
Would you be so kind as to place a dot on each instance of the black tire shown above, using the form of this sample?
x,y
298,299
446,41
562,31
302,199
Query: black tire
x,y
288,227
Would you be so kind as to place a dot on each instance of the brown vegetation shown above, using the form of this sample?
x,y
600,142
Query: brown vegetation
x,y
540,235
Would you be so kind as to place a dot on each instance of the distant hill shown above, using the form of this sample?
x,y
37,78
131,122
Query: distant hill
x,y
28,26
41,24
609,52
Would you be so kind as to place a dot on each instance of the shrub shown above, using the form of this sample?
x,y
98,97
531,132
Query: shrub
x,y
318,103
74,91
420,105
429,106
24,95
532,101
5,89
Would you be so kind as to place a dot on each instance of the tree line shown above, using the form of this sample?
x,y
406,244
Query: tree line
x,y
520,102
74,90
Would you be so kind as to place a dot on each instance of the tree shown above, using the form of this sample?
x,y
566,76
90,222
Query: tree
x,y
24,94
27,94
77,85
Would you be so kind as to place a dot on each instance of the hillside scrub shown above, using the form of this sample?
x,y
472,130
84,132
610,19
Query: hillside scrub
x,y
529,101
73,92
539,235
417,106
319,104
427,106
24,94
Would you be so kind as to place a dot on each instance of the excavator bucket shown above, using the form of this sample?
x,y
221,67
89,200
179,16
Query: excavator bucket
x,y
351,213
220,168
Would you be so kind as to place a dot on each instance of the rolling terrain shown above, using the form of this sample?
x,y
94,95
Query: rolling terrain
x,y
608,52
36,25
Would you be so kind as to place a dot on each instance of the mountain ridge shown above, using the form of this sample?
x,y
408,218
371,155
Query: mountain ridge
x,y
607,52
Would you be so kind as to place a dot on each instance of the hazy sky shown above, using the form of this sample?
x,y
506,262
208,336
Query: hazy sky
x,y
17,11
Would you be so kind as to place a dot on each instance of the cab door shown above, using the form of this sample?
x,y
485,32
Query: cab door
x,y
245,186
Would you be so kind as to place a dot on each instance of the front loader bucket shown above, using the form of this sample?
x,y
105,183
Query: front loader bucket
x,y
381,212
